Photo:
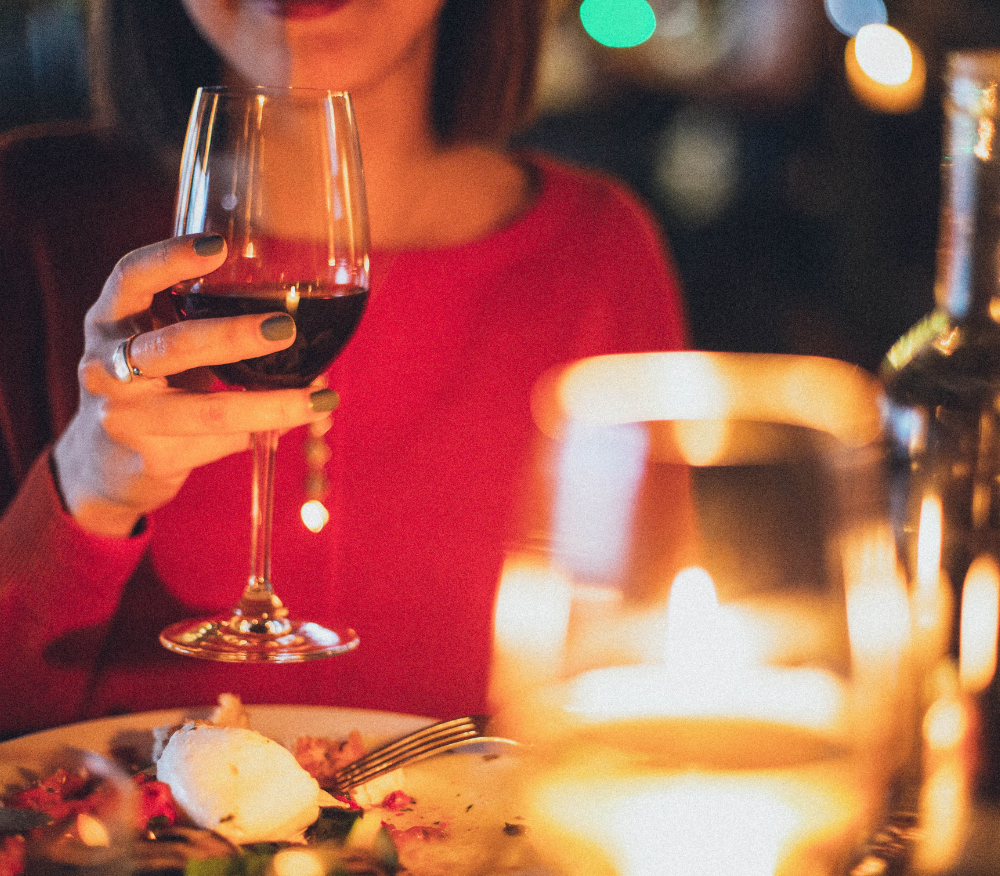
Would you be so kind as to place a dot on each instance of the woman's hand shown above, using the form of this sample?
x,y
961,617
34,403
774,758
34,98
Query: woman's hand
x,y
131,445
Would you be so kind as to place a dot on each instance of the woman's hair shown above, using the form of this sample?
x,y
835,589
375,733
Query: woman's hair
x,y
147,60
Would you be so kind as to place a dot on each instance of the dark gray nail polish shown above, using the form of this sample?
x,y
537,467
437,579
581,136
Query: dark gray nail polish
x,y
209,245
278,328
323,400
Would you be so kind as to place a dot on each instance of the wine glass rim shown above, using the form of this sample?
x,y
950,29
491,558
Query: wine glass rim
x,y
293,90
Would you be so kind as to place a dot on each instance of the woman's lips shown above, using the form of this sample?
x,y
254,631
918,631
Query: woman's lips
x,y
302,9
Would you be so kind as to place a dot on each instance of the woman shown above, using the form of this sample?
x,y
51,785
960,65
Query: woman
x,y
488,268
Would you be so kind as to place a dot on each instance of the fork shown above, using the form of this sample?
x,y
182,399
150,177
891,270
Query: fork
x,y
415,746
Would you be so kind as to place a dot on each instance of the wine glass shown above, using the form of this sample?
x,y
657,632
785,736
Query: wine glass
x,y
702,629
277,172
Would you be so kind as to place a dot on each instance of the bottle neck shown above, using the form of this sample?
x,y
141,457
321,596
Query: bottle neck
x,y
968,280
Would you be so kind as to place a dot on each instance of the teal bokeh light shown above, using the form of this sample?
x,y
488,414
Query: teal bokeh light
x,y
618,24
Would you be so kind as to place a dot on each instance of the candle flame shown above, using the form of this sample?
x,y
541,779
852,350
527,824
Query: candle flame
x,y
929,544
977,653
692,621
931,596
945,724
878,611
709,665
531,617
530,626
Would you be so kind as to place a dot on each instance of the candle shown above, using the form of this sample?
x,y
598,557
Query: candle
x,y
673,732
950,726
705,761
977,660
977,663
949,755
932,599
951,731
707,669
530,623
602,810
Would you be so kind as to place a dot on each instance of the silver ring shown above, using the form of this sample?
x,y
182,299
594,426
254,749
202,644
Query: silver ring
x,y
121,360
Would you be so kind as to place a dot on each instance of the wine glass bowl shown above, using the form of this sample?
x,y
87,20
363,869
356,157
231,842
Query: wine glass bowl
x,y
277,173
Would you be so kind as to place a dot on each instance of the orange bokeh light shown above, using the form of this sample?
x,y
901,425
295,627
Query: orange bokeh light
x,y
885,70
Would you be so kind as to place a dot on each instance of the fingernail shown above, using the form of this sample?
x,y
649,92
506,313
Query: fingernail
x,y
278,328
323,401
209,245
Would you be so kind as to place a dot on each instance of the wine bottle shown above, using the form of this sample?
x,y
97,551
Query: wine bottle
x,y
942,378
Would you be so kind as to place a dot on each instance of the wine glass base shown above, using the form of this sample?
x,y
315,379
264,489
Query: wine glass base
x,y
215,639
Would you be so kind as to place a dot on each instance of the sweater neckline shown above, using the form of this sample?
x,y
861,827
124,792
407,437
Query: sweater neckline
x,y
546,181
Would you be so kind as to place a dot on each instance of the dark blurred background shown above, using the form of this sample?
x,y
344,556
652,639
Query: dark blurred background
x,y
798,193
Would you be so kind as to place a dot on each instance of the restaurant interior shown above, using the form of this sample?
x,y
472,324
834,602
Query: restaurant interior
x,y
791,151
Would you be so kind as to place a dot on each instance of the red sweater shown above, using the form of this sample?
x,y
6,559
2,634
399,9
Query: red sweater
x,y
428,449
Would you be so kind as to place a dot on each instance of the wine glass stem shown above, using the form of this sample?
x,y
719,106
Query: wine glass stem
x,y
265,447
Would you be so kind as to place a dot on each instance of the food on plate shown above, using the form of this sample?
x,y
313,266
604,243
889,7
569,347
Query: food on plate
x,y
230,712
217,797
323,757
79,815
240,784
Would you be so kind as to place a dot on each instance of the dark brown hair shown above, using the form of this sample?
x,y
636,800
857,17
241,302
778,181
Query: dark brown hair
x,y
147,60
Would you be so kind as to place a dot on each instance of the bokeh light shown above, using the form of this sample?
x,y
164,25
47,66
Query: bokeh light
x,y
681,18
884,54
618,24
885,70
849,16
698,165
980,615
299,862
314,515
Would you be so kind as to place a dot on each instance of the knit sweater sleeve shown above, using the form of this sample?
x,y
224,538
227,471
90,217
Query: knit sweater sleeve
x,y
59,587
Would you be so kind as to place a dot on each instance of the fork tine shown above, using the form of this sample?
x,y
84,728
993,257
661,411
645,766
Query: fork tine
x,y
387,766
416,746
425,743
428,737
423,736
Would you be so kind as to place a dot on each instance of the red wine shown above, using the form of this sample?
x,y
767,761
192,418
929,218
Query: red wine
x,y
325,319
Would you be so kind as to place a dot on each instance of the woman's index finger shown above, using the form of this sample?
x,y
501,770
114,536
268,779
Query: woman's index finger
x,y
143,272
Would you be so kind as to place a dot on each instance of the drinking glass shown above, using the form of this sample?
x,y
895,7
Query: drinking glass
x,y
277,172
702,629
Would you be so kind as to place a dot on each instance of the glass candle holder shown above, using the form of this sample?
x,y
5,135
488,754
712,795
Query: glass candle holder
x,y
703,629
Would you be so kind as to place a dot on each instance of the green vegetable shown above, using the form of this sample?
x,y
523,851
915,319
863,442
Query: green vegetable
x,y
333,825
21,820
252,861
377,855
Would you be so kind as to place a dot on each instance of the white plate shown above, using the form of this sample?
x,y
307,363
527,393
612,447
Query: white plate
x,y
468,791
